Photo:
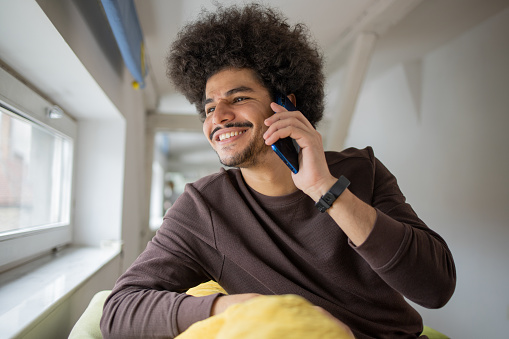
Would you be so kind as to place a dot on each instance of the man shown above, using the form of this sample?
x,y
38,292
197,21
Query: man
x,y
255,228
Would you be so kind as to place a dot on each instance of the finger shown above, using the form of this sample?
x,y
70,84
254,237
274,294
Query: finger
x,y
282,133
285,119
295,128
284,114
281,114
277,108
282,130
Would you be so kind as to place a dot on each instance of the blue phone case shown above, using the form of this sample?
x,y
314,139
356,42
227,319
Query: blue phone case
x,y
287,148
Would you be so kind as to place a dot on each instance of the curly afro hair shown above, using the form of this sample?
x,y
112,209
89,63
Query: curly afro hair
x,y
285,59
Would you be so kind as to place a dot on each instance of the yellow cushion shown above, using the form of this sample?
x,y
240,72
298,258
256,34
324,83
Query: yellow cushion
x,y
268,317
205,289
296,318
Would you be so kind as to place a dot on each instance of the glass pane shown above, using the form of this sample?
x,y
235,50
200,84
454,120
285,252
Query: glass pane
x,y
35,174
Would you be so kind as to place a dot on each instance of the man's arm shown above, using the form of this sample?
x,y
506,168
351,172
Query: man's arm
x,y
410,257
355,217
149,299
145,302
223,302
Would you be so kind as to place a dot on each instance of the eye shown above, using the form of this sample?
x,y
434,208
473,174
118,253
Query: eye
x,y
209,110
238,99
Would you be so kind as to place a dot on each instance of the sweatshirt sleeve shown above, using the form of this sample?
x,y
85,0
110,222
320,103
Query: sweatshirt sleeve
x,y
405,253
149,300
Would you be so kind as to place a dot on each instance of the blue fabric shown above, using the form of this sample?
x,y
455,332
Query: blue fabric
x,y
126,28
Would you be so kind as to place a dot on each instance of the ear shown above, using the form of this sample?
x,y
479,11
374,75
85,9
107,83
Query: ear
x,y
293,99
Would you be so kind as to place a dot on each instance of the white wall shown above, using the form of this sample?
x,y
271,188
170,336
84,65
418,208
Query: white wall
x,y
440,124
99,184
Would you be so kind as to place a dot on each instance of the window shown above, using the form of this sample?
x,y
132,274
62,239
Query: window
x,y
35,173
36,161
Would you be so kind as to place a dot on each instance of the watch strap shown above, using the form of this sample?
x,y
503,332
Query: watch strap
x,y
334,192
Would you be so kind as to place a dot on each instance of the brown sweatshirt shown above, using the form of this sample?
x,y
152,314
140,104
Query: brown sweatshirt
x,y
221,229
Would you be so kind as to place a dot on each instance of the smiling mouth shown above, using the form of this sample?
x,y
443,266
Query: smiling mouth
x,y
242,127
228,135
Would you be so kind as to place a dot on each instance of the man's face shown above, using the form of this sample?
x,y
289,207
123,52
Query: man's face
x,y
236,105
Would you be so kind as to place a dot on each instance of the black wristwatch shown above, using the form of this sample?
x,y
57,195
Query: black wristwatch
x,y
335,191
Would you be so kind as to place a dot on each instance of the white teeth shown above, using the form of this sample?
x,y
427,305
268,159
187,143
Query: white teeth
x,y
229,135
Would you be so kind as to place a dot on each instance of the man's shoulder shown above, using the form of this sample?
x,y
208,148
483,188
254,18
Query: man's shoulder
x,y
358,165
216,181
209,190
351,153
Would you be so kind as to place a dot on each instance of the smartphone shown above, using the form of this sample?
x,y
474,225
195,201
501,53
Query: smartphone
x,y
287,148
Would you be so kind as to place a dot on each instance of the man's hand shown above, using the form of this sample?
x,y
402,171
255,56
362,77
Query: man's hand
x,y
222,303
314,176
355,217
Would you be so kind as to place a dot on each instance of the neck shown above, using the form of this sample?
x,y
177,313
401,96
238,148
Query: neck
x,y
271,180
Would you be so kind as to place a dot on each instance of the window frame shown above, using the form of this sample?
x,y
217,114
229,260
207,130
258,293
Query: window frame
x,y
21,245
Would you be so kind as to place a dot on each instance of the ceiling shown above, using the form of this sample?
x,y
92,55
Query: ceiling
x,y
428,24
405,30
160,20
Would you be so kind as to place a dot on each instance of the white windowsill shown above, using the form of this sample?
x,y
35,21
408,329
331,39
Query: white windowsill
x,y
32,291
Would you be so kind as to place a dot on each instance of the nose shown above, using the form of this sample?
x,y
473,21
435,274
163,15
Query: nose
x,y
222,113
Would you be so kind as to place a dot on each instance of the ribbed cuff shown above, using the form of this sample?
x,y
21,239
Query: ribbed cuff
x,y
192,309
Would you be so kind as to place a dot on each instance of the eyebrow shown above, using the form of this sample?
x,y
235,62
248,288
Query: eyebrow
x,y
231,92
